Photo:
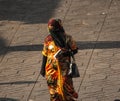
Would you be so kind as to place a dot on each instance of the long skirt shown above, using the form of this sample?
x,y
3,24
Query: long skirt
x,y
60,85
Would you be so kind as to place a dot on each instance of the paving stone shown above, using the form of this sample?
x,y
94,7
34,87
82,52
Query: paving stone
x,y
90,99
93,24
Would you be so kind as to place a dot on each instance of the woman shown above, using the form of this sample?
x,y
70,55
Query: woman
x,y
56,59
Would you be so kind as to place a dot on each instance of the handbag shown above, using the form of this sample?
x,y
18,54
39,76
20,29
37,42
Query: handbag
x,y
73,68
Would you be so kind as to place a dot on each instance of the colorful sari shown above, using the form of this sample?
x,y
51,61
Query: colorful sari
x,y
60,84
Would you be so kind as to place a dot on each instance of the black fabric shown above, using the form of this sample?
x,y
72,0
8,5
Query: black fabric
x,y
74,51
74,68
42,71
59,37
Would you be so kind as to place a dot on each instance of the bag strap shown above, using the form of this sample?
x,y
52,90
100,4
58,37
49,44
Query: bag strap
x,y
71,53
72,56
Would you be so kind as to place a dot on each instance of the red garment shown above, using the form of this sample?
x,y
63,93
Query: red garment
x,y
59,82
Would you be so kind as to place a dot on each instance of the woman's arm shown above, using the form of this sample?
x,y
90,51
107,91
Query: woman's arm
x,y
44,60
72,45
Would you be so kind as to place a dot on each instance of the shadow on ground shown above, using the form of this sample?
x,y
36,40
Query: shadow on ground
x,y
38,47
28,11
8,99
81,46
98,44
117,100
18,83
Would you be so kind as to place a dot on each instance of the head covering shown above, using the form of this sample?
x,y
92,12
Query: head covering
x,y
57,32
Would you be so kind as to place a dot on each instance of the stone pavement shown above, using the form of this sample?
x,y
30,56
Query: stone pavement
x,y
94,24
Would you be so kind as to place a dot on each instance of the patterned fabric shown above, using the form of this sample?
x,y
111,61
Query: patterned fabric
x,y
60,84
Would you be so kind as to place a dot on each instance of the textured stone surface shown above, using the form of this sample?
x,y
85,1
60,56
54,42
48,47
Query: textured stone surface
x,y
94,24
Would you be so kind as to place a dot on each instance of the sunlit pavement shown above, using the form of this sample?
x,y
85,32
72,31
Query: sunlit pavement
x,y
94,24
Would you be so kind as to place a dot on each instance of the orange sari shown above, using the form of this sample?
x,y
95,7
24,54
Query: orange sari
x,y
60,84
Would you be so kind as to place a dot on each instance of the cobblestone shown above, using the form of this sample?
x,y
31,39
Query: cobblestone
x,y
94,24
